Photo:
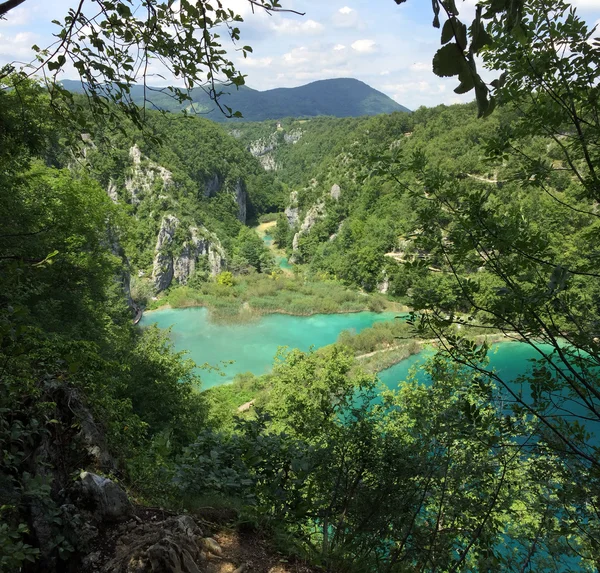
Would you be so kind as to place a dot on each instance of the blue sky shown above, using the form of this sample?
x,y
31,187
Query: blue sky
x,y
389,47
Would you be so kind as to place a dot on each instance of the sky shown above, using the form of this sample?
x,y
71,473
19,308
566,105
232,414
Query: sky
x,y
387,46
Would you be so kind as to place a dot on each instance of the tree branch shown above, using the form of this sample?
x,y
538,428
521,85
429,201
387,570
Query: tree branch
x,y
7,6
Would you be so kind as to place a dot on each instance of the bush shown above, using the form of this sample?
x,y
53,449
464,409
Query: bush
x,y
268,218
225,278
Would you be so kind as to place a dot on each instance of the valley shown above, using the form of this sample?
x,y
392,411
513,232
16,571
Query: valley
x,y
300,329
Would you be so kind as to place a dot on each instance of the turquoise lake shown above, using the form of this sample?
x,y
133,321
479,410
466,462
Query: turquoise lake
x,y
251,346
281,261
508,359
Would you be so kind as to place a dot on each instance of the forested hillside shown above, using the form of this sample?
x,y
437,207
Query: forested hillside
x,y
482,218
344,97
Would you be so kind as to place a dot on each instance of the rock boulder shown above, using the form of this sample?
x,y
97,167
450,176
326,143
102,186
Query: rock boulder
x,y
109,501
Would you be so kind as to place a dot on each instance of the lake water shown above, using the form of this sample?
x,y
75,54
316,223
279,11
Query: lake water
x,y
251,346
508,359
282,262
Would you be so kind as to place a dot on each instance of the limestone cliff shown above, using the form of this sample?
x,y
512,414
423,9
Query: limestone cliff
x,y
292,211
316,213
172,261
263,149
143,175
215,184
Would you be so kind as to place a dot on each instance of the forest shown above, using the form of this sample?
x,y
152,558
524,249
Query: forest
x,y
470,224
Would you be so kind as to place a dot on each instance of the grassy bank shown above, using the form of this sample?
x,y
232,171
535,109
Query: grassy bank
x,y
254,295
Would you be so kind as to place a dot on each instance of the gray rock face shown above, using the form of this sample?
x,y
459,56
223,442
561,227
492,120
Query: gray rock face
x,y
162,269
110,501
263,149
168,266
384,285
293,136
112,191
315,214
335,235
213,186
143,174
335,192
293,212
263,146
268,162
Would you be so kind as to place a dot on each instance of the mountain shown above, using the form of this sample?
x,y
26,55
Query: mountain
x,y
344,97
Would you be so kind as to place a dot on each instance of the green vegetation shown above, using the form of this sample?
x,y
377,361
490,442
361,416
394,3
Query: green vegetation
x,y
250,296
75,372
484,226
342,97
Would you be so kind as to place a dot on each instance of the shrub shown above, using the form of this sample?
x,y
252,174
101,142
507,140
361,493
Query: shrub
x,y
225,278
268,218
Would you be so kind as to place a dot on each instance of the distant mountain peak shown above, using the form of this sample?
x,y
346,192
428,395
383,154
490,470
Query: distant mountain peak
x,y
338,97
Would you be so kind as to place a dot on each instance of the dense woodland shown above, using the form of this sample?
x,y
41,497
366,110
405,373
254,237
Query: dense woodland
x,y
479,224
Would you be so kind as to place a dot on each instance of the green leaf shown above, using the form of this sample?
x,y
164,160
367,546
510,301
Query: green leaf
x,y
448,61
455,29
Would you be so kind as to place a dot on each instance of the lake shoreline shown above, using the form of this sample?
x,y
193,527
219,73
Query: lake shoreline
x,y
258,313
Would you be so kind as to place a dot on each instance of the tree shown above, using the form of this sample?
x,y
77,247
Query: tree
x,y
281,234
111,44
461,44
522,248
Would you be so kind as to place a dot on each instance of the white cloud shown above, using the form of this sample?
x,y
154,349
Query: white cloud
x,y
421,67
586,4
17,47
364,46
405,87
288,26
258,62
347,17
339,47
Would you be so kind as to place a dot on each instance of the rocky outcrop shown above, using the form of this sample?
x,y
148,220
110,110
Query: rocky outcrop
x,y
212,185
202,243
108,501
241,198
292,212
268,162
168,265
293,136
263,146
384,286
112,191
315,214
335,192
263,150
335,235
143,174
215,184
163,268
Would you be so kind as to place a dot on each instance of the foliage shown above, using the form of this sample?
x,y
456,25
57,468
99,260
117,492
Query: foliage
x,y
225,279
250,253
252,295
98,43
346,477
70,355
